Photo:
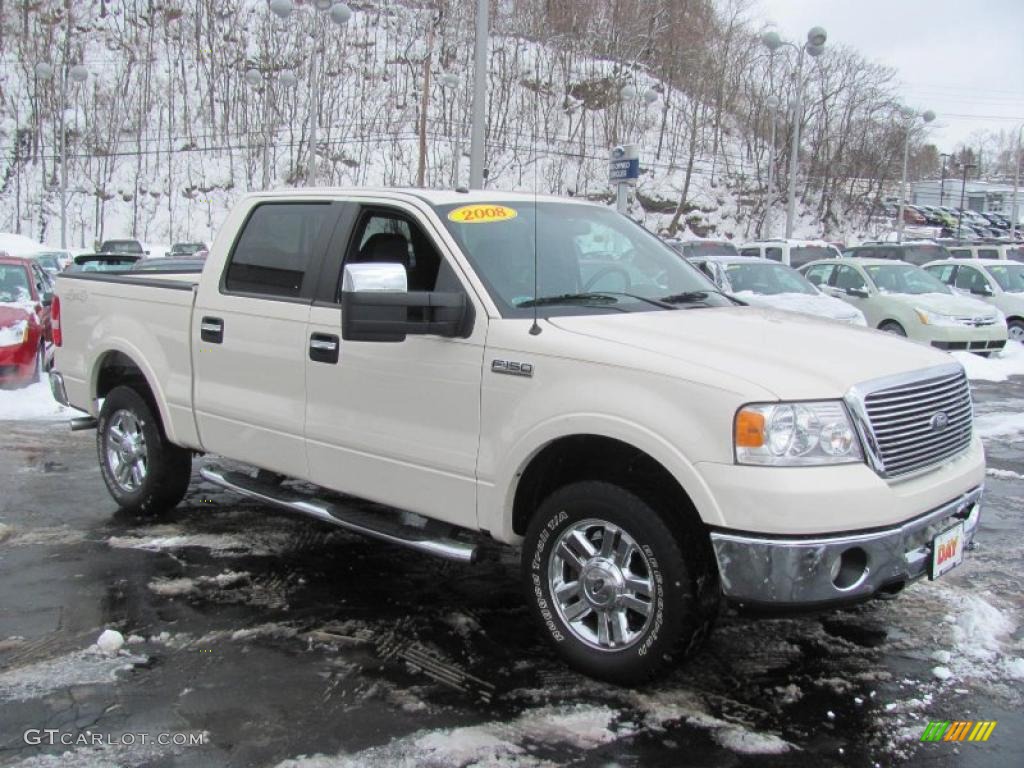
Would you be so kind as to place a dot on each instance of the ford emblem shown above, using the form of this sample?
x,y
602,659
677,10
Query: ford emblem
x,y
939,421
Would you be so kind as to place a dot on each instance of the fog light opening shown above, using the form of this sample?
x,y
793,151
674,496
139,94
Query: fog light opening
x,y
850,569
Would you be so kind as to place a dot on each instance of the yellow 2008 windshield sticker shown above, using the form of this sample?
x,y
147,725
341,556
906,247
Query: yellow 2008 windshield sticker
x,y
482,214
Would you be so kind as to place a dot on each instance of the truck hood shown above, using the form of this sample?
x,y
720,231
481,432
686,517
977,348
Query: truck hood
x,y
791,357
818,305
943,303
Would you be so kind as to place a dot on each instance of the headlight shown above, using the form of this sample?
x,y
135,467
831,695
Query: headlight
x,y
934,318
796,434
14,335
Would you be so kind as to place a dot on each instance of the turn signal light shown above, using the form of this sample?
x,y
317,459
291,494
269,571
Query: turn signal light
x,y
749,429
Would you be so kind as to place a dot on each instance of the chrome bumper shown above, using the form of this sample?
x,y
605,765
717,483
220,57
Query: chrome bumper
x,y
57,388
793,572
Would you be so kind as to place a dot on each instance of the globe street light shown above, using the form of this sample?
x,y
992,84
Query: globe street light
x,y
814,47
340,14
449,82
910,116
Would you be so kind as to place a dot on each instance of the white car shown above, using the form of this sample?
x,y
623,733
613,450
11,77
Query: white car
x,y
762,283
994,281
793,253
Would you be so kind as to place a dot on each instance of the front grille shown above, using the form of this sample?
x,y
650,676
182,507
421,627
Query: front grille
x,y
907,427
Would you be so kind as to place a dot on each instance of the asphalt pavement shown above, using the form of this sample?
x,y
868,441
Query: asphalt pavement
x,y
270,639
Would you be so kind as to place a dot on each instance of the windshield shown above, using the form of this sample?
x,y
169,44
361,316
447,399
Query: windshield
x,y
922,254
187,248
696,250
904,278
48,262
14,284
1010,277
805,254
1015,254
590,259
767,278
121,246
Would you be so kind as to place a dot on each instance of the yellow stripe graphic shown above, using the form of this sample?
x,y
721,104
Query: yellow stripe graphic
x,y
988,731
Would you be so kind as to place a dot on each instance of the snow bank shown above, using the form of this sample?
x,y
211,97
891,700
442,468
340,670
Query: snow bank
x,y
1010,362
87,667
31,403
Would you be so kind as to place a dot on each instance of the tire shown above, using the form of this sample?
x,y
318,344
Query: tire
x,y
1016,330
675,567
891,326
158,472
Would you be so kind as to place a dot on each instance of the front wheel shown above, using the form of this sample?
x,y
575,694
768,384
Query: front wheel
x,y
1016,330
143,470
891,326
616,591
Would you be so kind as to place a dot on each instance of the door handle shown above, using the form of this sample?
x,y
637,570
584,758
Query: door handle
x,y
211,329
323,348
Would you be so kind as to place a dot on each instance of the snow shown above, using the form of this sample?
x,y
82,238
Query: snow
x,y
805,303
110,642
999,424
163,538
86,667
980,629
1010,362
31,403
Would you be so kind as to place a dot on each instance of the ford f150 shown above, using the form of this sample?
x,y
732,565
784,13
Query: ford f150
x,y
543,371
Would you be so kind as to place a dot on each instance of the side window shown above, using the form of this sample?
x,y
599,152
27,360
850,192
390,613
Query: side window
x,y
970,279
276,248
775,254
988,253
943,271
751,252
391,237
819,274
960,253
848,277
865,253
41,281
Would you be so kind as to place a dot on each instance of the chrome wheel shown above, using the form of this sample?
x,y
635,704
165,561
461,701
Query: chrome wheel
x,y
127,456
1016,332
602,585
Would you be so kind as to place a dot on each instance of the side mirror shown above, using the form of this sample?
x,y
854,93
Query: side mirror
x,y
984,290
376,306
47,299
860,293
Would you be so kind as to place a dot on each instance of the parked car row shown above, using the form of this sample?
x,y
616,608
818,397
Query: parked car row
x,y
985,225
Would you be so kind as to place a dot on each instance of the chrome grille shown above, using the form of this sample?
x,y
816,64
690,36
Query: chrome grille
x,y
906,421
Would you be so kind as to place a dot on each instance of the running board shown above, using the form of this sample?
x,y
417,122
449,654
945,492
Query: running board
x,y
433,538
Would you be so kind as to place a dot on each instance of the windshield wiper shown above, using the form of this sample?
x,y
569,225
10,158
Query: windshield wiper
x,y
686,297
656,302
569,298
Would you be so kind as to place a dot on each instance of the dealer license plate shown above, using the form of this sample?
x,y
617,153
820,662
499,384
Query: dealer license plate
x,y
947,550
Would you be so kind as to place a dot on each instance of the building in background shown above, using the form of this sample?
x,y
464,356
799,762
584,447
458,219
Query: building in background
x,y
978,195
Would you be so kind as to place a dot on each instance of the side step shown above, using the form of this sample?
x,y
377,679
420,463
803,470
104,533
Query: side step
x,y
433,538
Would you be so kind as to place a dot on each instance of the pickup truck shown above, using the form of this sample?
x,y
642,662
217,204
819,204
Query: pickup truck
x,y
543,372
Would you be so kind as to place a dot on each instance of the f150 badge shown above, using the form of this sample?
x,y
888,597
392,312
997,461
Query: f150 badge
x,y
512,368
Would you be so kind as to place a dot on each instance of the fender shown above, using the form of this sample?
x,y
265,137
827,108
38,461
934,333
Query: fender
x,y
496,501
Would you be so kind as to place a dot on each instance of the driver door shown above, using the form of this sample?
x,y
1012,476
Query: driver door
x,y
394,422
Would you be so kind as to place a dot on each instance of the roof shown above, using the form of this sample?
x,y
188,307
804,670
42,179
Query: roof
x,y
429,196
733,259
6,258
983,262
791,242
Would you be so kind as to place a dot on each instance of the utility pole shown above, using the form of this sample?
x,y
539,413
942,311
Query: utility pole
x,y
1014,208
963,190
942,184
476,140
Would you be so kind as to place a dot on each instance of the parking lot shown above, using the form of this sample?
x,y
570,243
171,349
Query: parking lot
x,y
277,640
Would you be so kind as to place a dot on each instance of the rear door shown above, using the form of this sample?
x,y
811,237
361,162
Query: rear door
x,y
249,336
394,422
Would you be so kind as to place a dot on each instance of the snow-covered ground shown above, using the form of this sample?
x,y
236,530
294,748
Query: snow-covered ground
x,y
1010,362
34,402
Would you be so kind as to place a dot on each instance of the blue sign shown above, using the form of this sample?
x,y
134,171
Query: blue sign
x,y
624,163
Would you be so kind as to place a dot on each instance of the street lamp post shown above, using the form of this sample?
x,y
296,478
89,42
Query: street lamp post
x,y
963,190
78,74
773,103
340,14
815,46
450,82
1014,208
476,135
942,183
910,116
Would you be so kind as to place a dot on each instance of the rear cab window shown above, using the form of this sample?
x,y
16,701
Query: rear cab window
x,y
278,244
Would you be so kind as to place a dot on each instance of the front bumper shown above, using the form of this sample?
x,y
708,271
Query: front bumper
x,y
781,572
985,338
17,362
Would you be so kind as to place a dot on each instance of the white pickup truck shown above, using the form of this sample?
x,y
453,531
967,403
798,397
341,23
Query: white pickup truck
x,y
548,373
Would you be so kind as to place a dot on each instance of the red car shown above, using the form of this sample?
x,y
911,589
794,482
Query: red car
x,y
26,336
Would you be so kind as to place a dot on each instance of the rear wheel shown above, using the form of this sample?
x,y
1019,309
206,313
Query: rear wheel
x,y
618,593
891,326
1016,330
144,472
